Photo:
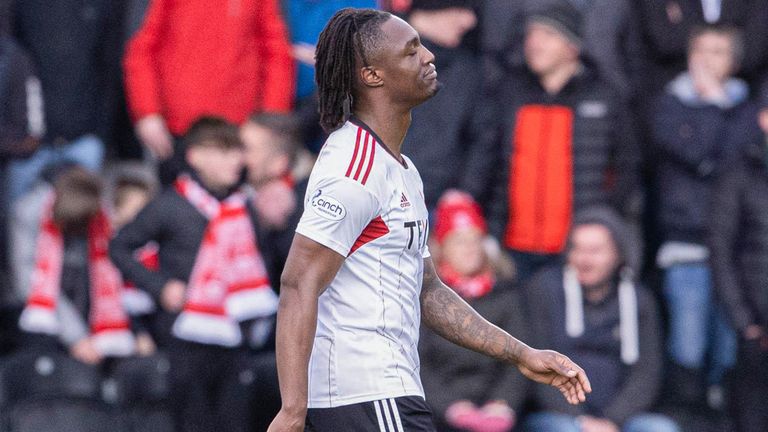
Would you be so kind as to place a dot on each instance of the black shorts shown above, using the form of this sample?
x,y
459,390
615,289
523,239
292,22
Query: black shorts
x,y
403,414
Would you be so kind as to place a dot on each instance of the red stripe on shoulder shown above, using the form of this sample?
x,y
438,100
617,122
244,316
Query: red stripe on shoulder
x,y
354,154
362,157
377,228
370,160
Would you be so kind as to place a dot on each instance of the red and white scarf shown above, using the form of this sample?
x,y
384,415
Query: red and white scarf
x,y
109,324
468,287
137,302
229,281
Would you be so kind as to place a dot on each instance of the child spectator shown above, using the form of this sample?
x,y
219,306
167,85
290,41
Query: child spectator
x,y
469,392
74,291
212,277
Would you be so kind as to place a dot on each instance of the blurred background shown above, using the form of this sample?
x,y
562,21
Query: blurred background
x,y
596,173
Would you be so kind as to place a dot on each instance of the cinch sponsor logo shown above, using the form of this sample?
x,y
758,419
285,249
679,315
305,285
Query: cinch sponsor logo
x,y
327,207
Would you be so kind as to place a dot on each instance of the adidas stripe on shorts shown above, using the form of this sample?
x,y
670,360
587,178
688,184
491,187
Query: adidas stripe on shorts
x,y
402,414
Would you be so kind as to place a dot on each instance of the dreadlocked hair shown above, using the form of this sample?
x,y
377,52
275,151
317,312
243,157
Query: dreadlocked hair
x,y
350,36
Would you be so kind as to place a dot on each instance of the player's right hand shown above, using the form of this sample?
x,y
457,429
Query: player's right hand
x,y
285,422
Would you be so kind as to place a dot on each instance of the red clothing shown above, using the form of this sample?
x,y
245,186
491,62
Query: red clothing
x,y
196,57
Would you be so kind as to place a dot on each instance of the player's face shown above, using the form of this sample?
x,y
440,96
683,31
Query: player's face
x,y
593,255
407,67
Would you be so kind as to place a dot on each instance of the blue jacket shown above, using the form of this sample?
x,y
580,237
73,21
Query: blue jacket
x,y
692,142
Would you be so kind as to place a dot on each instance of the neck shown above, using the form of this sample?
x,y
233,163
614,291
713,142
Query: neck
x,y
597,293
554,80
390,124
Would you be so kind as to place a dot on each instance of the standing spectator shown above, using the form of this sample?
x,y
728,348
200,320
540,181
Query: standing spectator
x,y
565,140
212,283
696,124
271,143
440,134
200,57
21,127
611,37
72,290
667,25
739,244
467,390
75,48
594,312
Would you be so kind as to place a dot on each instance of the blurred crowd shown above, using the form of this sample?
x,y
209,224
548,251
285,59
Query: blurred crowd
x,y
596,173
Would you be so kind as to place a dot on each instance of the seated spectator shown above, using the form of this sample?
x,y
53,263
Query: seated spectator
x,y
73,290
175,73
441,134
565,142
592,310
697,123
739,260
212,279
470,392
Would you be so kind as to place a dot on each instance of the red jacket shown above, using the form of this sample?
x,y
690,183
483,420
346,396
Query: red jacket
x,y
196,57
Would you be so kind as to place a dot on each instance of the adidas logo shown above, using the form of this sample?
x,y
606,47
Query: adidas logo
x,y
404,201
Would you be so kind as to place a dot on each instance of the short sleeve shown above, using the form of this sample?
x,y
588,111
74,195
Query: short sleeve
x,y
336,212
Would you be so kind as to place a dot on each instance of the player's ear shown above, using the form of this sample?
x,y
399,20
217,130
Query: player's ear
x,y
370,77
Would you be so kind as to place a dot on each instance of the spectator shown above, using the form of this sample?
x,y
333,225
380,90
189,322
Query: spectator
x,y
696,124
739,246
440,136
21,127
271,143
565,143
175,73
75,48
212,280
469,392
72,290
593,311
666,26
131,192
611,37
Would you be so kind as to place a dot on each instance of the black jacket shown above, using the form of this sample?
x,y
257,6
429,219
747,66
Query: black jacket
x,y
738,239
21,115
691,145
604,147
438,140
178,227
619,390
450,373
75,46
665,34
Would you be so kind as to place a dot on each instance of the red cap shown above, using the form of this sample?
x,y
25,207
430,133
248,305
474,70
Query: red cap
x,y
457,210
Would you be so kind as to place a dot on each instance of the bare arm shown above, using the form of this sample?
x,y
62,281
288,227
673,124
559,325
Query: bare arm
x,y
445,313
309,269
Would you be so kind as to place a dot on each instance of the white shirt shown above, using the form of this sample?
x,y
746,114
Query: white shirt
x,y
367,206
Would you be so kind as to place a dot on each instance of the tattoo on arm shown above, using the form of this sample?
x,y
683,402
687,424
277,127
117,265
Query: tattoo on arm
x,y
443,311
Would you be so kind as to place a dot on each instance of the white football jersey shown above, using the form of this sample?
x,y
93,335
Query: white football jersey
x,y
369,207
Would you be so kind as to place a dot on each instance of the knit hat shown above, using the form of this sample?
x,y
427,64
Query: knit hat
x,y
457,210
562,16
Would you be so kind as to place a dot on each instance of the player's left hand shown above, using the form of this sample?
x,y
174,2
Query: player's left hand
x,y
557,370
